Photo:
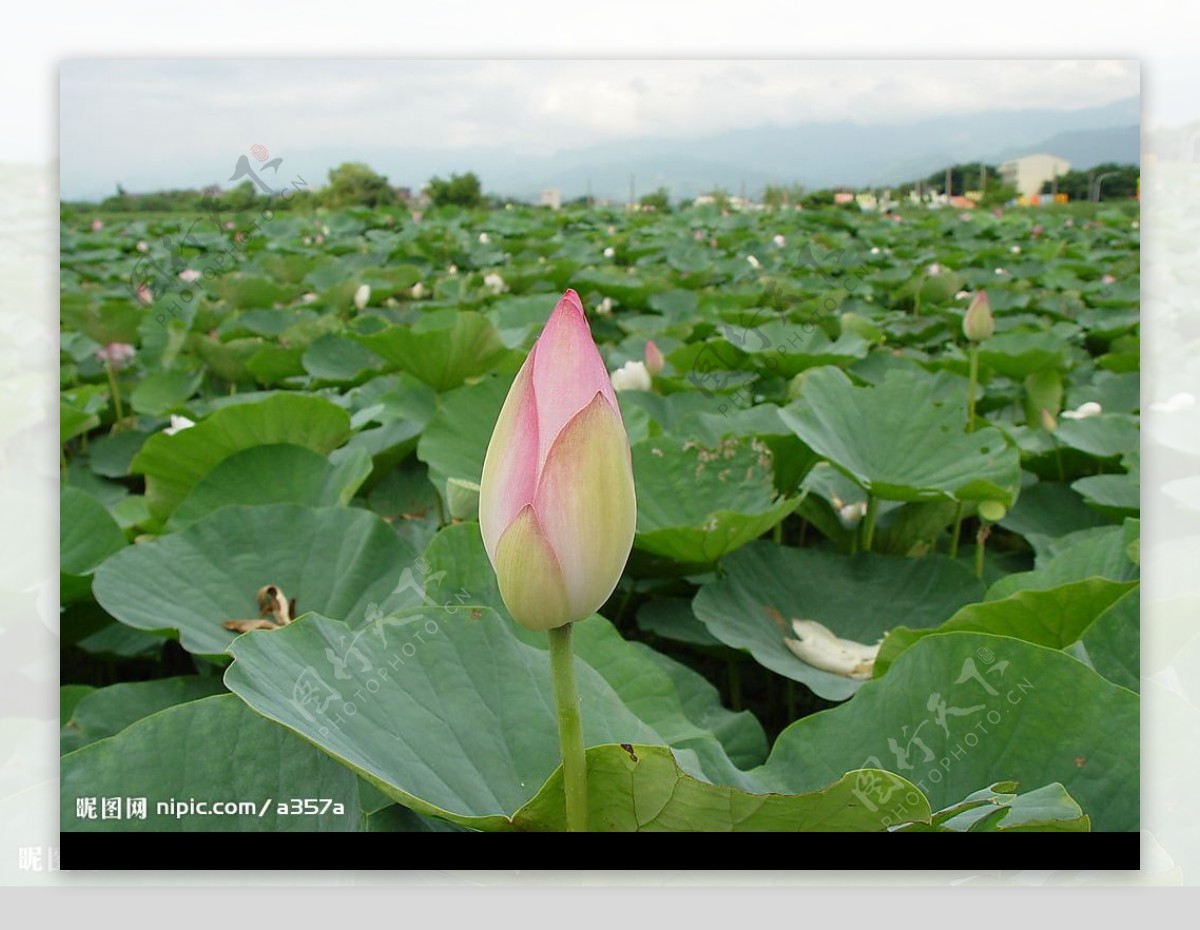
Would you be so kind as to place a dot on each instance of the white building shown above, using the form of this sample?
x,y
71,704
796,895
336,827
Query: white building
x,y
1029,173
552,198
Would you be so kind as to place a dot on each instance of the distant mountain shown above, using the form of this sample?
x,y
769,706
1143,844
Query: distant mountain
x,y
816,154
1087,148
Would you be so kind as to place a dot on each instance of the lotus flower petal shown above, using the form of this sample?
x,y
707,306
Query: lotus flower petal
x,y
531,581
585,502
510,468
567,371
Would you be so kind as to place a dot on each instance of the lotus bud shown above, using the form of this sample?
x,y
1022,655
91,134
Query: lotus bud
x,y
978,324
557,510
654,359
362,296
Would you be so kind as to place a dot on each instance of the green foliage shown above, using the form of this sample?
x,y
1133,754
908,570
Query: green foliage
x,y
658,200
1119,182
353,184
804,456
462,190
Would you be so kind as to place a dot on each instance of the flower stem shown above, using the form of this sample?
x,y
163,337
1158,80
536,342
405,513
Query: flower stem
x,y
958,516
972,381
980,542
868,522
116,397
570,727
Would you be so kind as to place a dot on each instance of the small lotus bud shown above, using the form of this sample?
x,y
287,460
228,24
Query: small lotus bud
x,y
979,324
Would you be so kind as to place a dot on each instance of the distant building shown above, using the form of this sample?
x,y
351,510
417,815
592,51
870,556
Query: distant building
x,y
1029,173
551,197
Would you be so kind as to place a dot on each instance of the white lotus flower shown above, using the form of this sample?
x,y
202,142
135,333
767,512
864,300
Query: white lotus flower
x,y
418,291
494,283
779,241
610,252
605,307
1001,271
874,250
141,246
188,275
632,376
484,238
1016,250
178,424
362,296
754,262
1083,411
934,269
309,298
453,269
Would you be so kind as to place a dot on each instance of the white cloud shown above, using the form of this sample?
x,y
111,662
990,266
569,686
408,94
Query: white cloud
x,y
139,118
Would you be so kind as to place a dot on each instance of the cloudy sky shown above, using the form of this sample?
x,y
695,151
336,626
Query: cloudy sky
x,y
151,124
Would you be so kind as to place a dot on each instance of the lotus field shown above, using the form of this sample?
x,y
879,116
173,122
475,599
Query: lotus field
x,y
884,560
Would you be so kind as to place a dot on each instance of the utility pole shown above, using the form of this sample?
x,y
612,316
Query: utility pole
x,y
632,201
948,191
982,179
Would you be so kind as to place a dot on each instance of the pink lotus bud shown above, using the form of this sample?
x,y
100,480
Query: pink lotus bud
x,y
556,505
97,225
654,359
979,324
116,354
1108,279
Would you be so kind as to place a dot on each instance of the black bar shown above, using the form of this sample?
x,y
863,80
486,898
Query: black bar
x,y
374,851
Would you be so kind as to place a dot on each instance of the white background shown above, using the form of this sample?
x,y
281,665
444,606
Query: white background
x,y
37,37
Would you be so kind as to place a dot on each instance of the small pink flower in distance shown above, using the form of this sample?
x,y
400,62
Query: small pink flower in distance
x,y
188,275
144,294
997,212
116,354
698,235
141,246
654,359
97,225
1037,230
1108,279
229,224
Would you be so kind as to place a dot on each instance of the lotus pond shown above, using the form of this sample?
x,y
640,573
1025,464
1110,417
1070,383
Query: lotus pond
x,y
847,607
